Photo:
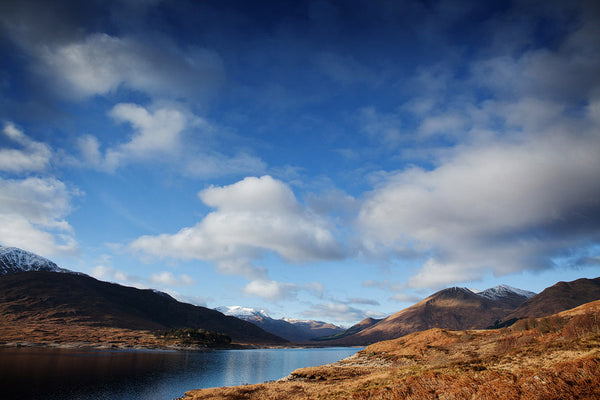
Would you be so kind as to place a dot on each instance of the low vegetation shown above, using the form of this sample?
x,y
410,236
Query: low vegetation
x,y
191,336
557,357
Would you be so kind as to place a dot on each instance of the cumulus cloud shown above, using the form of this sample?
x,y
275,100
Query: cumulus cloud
x,y
32,215
32,157
252,216
499,206
520,188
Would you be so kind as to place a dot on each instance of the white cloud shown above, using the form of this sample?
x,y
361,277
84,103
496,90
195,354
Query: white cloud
x,y
155,133
33,157
252,216
271,290
99,64
168,279
501,207
520,189
32,213
168,135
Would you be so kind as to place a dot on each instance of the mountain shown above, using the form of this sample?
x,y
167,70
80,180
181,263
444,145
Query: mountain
x,y
453,308
559,297
294,330
36,298
13,260
510,296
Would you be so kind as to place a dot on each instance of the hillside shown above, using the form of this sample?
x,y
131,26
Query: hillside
x,y
559,297
296,331
452,308
556,358
53,304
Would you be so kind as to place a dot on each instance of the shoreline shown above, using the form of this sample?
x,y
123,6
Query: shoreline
x,y
78,345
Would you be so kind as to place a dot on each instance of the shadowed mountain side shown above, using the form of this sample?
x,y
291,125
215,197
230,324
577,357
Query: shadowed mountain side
x,y
80,299
559,297
452,308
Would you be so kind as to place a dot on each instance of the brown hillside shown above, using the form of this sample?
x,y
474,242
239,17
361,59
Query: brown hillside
x,y
559,297
557,359
453,308
62,299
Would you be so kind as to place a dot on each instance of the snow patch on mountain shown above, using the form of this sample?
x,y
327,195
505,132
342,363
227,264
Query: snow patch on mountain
x,y
502,291
13,260
244,313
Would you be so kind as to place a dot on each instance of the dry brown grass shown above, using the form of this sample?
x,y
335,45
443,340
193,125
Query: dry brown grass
x,y
552,359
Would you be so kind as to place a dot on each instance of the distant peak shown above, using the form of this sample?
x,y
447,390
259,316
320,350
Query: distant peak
x,y
500,291
13,260
242,312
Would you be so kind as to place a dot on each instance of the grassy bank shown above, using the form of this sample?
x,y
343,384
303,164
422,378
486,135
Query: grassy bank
x,y
546,358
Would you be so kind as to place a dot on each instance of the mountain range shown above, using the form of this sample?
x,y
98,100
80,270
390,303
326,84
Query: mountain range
x,y
39,299
460,308
294,330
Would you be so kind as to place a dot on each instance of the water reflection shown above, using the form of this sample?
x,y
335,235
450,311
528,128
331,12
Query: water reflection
x,y
72,375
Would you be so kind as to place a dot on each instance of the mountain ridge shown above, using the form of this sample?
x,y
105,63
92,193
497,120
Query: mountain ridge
x,y
451,308
36,297
294,330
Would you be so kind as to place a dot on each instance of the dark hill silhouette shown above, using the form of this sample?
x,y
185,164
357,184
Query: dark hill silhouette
x,y
80,299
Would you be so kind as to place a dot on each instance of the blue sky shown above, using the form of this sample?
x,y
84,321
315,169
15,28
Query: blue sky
x,y
316,159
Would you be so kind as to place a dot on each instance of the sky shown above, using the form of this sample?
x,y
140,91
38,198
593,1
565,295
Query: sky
x,y
329,160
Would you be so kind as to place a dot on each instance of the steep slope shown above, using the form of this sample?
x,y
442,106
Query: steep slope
x,y
559,297
13,260
71,299
453,308
297,331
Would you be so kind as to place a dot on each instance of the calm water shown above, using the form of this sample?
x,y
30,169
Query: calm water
x,y
134,375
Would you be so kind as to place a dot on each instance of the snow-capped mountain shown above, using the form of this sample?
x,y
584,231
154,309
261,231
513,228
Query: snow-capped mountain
x,y
244,313
14,260
294,330
502,291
